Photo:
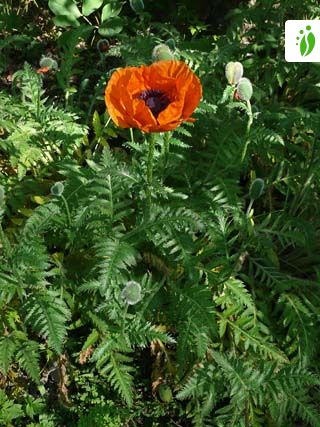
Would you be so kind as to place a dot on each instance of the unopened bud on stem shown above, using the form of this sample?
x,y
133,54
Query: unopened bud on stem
x,y
162,52
131,293
244,89
234,72
47,61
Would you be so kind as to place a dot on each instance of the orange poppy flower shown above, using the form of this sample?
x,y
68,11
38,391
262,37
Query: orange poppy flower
x,y
153,98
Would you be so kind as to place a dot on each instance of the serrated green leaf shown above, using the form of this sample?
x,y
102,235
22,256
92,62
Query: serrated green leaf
x,y
7,349
91,339
240,292
96,123
28,358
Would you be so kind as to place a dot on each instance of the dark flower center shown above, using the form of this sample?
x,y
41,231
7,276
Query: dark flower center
x,y
156,100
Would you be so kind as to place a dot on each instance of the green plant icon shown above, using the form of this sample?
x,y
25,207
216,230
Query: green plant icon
x,y
307,41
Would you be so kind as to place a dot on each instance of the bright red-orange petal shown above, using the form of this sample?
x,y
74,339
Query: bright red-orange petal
x,y
189,88
171,114
192,97
173,78
169,69
117,108
143,115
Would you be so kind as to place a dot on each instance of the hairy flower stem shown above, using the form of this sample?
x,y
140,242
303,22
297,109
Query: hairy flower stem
x,y
249,124
250,115
67,209
166,147
131,136
249,208
151,146
66,99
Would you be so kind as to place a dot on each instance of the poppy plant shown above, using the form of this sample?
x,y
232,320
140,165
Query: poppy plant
x,y
154,98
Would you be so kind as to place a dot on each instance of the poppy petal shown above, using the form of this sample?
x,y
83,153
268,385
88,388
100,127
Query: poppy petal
x,y
153,98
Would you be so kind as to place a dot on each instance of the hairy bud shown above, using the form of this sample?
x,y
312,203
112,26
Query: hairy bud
x,y
47,61
137,6
171,44
234,72
57,189
256,189
103,45
131,293
162,52
244,89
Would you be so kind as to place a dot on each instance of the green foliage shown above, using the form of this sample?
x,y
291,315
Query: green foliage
x,y
98,417
185,296
47,315
9,410
67,13
34,134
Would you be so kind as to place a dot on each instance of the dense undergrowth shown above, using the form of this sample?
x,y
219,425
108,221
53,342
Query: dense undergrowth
x,y
203,310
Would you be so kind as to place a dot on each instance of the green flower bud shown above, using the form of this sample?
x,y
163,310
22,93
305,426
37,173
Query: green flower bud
x,y
244,89
171,44
256,189
137,5
234,72
162,52
47,61
103,45
57,189
131,293
165,393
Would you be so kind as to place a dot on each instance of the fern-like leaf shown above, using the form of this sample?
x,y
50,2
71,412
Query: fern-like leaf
x,y
47,314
